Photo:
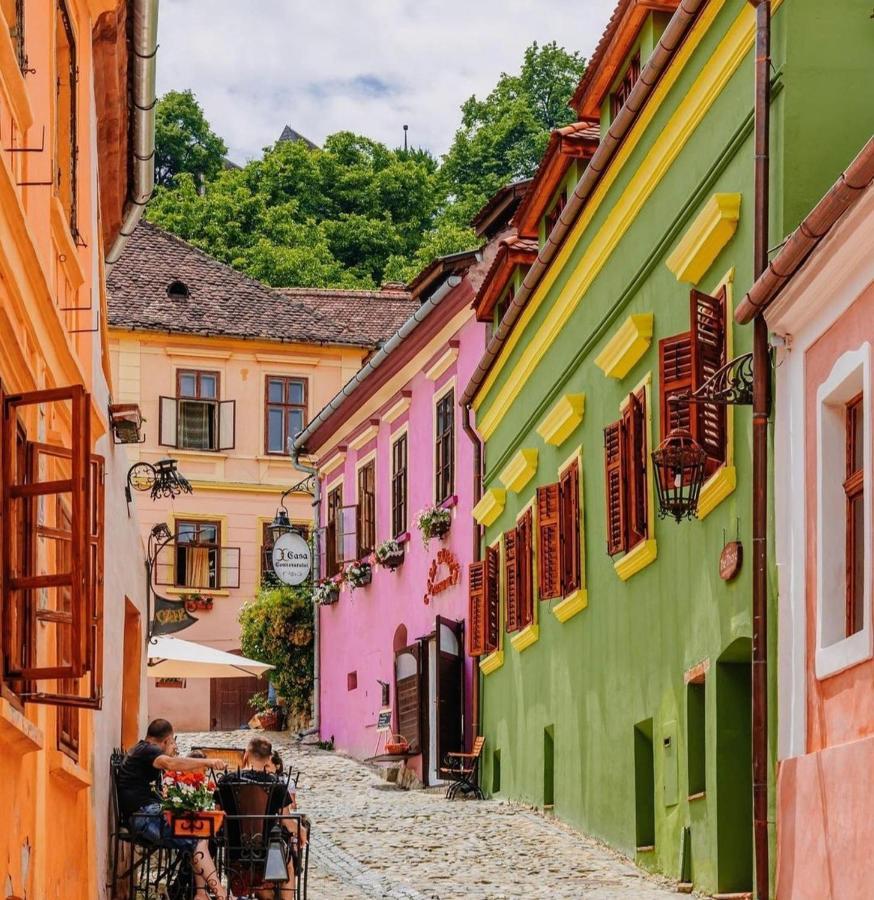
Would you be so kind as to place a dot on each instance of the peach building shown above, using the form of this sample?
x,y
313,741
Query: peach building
x,y
818,295
225,370
74,164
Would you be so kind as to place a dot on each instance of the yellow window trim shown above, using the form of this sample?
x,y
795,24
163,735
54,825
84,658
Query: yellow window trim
x,y
395,410
520,469
561,421
523,639
184,591
705,238
637,558
707,87
627,346
365,436
490,506
492,662
332,463
720,484
68,772
571,605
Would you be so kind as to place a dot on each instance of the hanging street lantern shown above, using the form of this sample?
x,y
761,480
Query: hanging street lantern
x,y
679,464
169,482
281,524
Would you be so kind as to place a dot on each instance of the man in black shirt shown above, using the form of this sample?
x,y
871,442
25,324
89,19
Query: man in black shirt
x,y
139,787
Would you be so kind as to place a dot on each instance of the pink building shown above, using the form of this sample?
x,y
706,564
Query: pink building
x,y
388,445
819,299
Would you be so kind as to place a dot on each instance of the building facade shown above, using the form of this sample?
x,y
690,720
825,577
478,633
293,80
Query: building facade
x,y
225,371
615,650
73,604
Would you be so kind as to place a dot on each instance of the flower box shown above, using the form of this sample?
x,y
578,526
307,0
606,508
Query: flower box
x,y
199,825
433,521
326,593
390,554
359,574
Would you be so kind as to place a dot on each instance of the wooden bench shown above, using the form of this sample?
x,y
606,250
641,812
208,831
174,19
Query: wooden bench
x,y
461,769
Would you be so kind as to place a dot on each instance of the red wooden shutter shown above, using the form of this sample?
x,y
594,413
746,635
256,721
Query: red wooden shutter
x,y
476,617
675,377
523,563
511,581
614,478
492,600
570,528
548,547
707,315
634,419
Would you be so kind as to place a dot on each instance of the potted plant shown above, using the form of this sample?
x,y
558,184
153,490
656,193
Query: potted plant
x,y
195,602
188,805
433,521
264,711
390,554
326,592
359,574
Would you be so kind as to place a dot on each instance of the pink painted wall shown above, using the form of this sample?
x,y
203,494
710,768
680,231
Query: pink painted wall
x,y
358,632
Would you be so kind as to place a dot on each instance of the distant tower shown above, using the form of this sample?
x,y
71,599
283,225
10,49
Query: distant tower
x,y
405,137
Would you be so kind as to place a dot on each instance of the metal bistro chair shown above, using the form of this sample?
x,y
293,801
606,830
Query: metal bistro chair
x,y
461,769
252,830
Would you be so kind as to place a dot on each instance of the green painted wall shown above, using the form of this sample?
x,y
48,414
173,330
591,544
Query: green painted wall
x,y
609,683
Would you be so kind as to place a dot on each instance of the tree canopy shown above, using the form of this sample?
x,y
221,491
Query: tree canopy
x,y
354,213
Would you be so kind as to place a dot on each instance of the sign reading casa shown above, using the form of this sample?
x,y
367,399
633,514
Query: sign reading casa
x,y
291,559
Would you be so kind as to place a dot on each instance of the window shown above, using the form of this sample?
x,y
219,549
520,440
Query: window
x,y
621,94
551,218
195,419
625,463
66,75
352,681
569,528
197,554
286,407
67,716
484,604
366,524
13,10
332,530
518,587
399,486
445,448
854,489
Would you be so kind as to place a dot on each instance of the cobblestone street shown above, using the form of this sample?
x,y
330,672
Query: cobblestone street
x,y
372,840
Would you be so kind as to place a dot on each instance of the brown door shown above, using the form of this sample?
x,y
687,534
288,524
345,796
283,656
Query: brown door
x,y
408,677
229,700
450,687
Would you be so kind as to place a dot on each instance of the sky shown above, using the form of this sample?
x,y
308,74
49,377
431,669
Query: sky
x,y
369,66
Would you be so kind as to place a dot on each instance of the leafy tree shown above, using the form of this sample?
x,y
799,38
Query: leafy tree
x,y
184,142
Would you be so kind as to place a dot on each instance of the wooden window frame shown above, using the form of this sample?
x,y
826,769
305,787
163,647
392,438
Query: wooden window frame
x,y
399,484
854,490
216,545
444,446
366,508
285,407
627,508
484,604
16,32
569,528
623,90
220,409
511,581
333,506
67,717
66,22
525,567
548,542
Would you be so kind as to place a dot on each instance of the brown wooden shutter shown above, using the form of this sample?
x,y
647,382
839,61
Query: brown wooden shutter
x,y
408,672
569,501
548,546
525,575
707,316
634,419
675,377
476,616
614,478
511,581
492,600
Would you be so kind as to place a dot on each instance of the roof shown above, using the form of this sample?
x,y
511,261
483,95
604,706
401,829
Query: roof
x,y
497,210
609,55
512,251
220,301
439,269
289,134
576,141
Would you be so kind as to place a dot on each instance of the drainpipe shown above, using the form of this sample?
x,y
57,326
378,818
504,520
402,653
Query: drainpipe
x,y
761,411
317,501
142,137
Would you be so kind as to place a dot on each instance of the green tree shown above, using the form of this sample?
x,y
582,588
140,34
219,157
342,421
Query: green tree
x,y
184,141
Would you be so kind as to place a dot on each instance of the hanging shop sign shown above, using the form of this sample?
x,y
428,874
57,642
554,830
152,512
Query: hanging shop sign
x,y
170,616
383,720
443,574
730,560
292,559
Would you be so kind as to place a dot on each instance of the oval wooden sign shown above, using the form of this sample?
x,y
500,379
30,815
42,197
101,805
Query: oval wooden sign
x,y
730,560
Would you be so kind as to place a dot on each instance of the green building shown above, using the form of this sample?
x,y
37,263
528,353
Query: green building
x,y
614,658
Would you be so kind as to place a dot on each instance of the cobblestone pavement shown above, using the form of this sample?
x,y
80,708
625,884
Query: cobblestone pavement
x,y
373,840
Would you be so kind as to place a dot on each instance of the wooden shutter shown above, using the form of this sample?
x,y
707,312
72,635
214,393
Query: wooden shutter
x,y
476,616
635,450
227,414
524,574
569,503
168,413
492,600
707,316
408,693
675,377
511,581
548,547
614,479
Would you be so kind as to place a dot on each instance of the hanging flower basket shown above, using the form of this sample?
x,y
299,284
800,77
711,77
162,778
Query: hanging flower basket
x,y
397,743
326,593
390,554
359,574
433,521
203,824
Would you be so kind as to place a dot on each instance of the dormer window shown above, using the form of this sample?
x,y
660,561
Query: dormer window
x,y
620,95
178,290
504,303
552,217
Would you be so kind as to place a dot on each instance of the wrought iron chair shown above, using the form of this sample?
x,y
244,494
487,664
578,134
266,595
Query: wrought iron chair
x,y
462,769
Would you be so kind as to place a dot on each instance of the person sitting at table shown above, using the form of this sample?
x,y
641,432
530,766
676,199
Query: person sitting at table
x,y
139,787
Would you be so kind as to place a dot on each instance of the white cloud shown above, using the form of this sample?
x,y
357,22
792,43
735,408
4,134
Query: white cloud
x,y
368,66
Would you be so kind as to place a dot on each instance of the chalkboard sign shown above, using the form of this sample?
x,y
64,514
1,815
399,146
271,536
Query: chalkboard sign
x,y
383,722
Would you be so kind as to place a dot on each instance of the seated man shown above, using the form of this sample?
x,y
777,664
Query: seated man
x,y
139,786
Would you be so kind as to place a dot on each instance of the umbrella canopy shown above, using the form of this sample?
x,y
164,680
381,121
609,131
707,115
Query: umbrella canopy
x,y
170,657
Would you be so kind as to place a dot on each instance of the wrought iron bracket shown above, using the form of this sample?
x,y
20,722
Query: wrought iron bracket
x,y
732,385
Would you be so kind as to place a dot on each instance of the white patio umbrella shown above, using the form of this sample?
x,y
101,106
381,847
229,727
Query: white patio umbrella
x,y
171,657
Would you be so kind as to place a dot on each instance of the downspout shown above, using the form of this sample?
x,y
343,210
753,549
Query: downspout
x,y
144,47
317,502
761,411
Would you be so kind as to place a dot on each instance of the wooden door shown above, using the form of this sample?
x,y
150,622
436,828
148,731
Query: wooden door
x,y
450,688
408,691
229,700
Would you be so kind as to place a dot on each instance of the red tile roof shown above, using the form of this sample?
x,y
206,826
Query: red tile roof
x,y
512,251
497,210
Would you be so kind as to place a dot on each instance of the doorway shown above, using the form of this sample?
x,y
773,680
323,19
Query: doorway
x,y
644,787
445,693
131,683
229,700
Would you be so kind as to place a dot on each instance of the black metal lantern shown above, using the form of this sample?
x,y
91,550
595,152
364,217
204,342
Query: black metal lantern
x,y
680,465
281,524
169,482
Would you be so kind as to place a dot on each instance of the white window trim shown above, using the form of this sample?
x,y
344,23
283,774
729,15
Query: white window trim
x,y
831,541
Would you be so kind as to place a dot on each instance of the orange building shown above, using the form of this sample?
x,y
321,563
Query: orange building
x,y
73,173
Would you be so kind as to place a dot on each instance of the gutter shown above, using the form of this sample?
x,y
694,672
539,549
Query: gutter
x,y
842,196
671,38
144,47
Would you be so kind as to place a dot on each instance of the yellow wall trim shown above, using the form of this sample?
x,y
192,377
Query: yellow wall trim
x,y
523,639
193,351
720,484
520,470
712,229
70,774
237,487
17,731
627,346
490,506
571,605
442,363
636,559
332,463
492,662
562,419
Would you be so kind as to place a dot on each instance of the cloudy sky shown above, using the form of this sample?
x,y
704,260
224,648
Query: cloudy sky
x,y
364,65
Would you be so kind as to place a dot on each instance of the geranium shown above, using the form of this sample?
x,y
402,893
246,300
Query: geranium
x,y
326,592
359,574
390,554
433,521
184,792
